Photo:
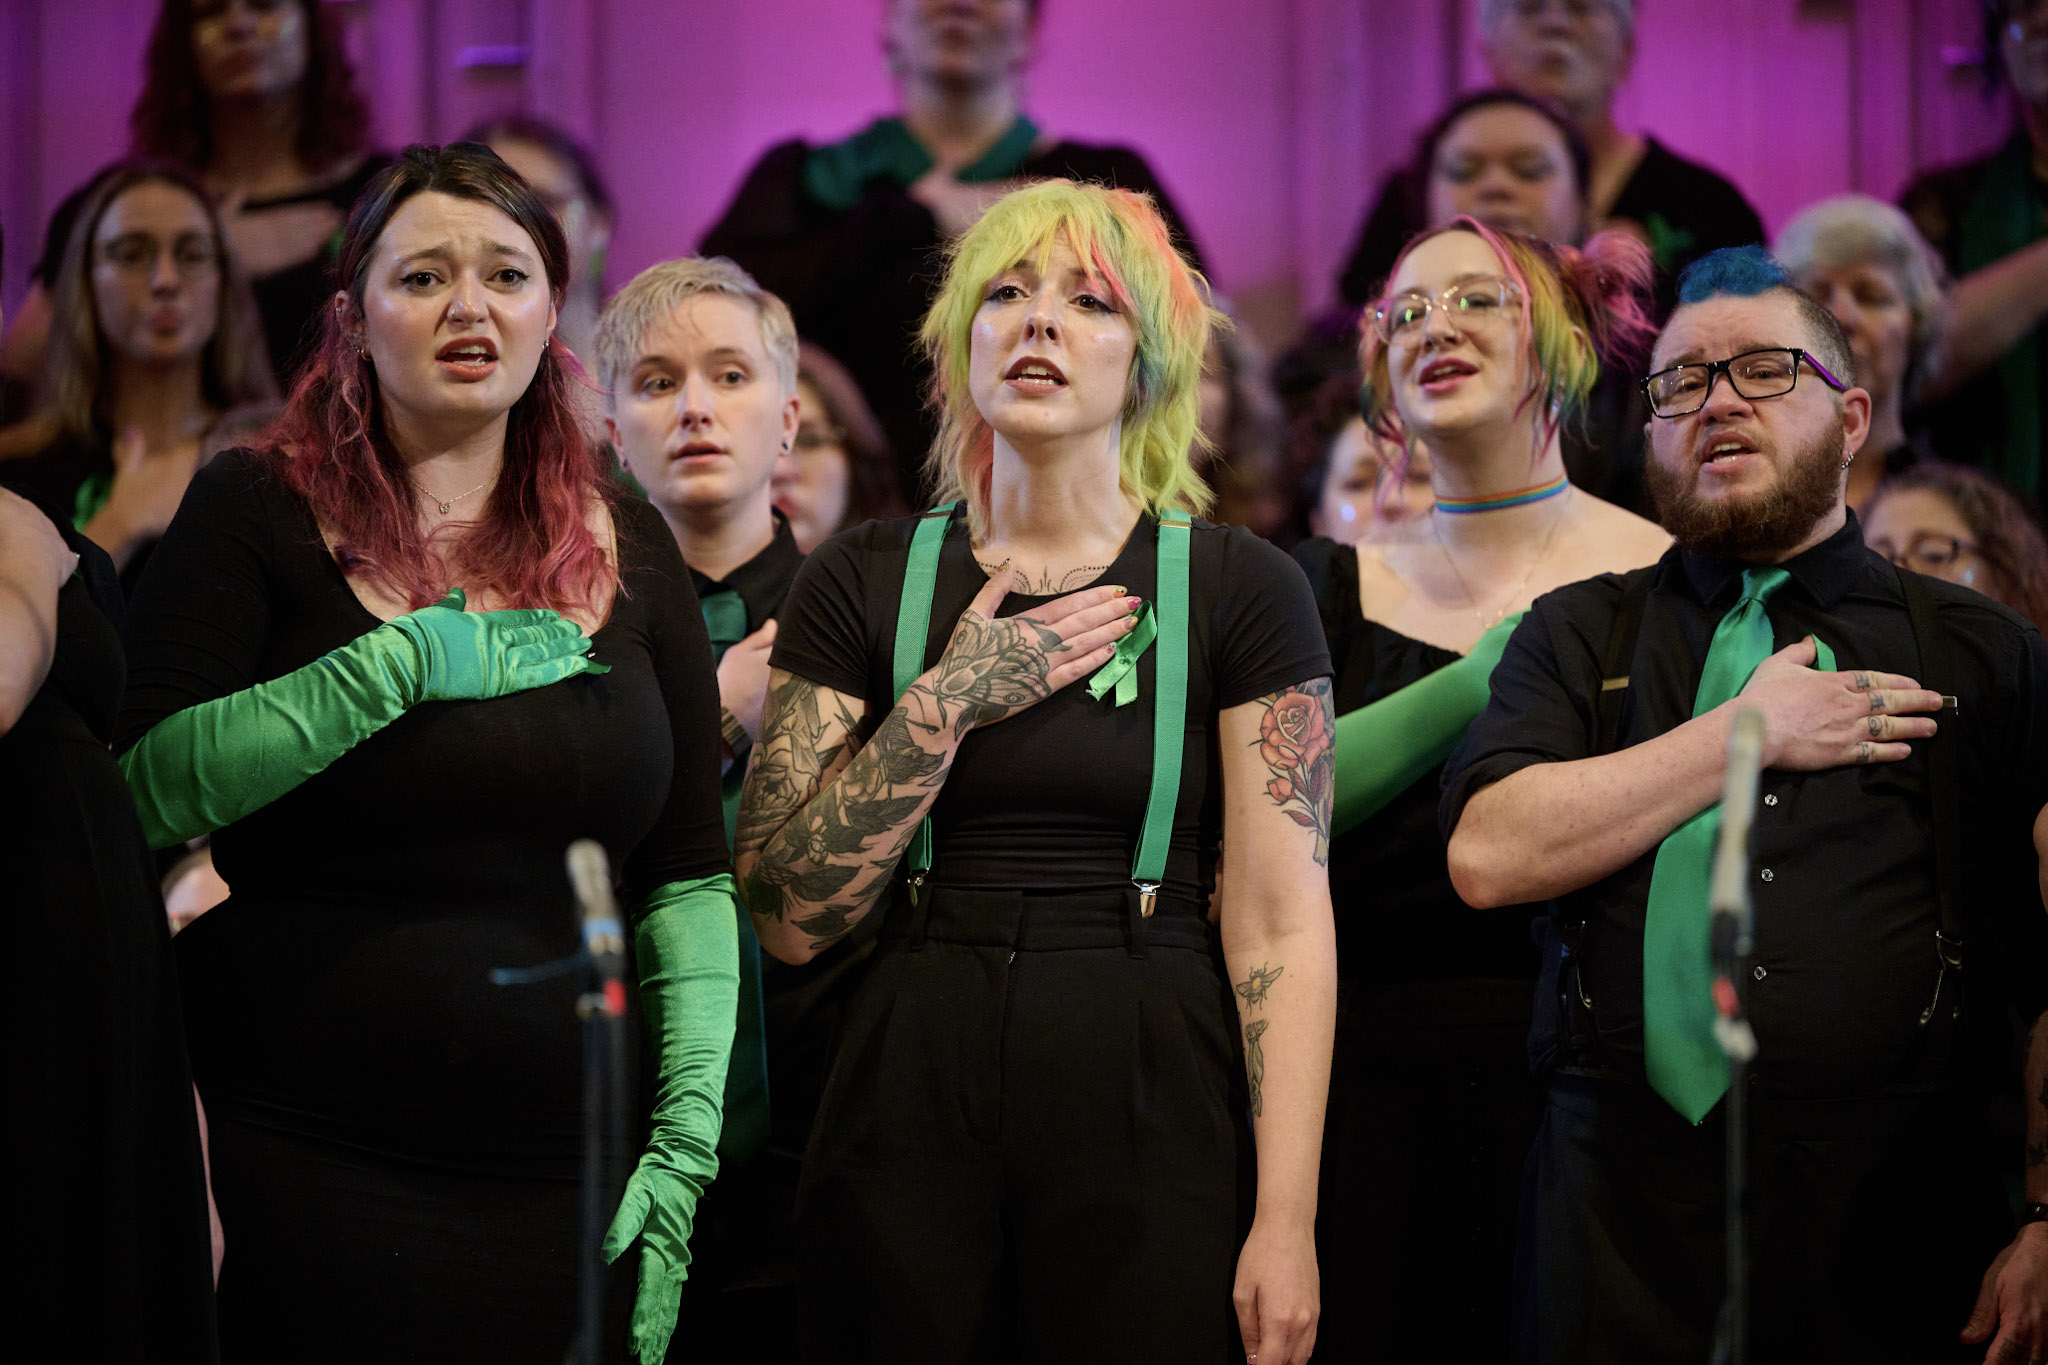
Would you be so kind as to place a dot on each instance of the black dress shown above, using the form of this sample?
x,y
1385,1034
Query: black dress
x,y
1431,1105
107,1204
860,279
396,1141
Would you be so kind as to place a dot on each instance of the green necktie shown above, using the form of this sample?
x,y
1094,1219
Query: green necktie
x,y
746,1078
1685,1063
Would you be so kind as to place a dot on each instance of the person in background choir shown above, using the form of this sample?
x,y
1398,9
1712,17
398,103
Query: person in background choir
x,y
363,656
100,1117
258,97
155,358
1032,1142
1988,217
1242,431
839,471
1576,54
1960,524
565,176
1484,347
1864,262
848,232
1368,484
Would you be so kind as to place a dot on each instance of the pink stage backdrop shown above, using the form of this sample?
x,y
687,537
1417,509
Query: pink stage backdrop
x,y
1272,121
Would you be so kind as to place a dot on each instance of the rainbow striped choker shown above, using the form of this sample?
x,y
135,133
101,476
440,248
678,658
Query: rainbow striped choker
x,y
1493,502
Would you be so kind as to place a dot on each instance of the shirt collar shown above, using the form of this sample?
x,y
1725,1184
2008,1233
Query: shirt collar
x,y
1824,572
763,581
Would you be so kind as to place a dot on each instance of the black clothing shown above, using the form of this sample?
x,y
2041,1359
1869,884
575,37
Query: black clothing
x,y
107,1205
397,1141
1033,1146
1017,810
1428,1077
289,301
55,478
1950,206
1845,921
1028,1132
859,280
1682,209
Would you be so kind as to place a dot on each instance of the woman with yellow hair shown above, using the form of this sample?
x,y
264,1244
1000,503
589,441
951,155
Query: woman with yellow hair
x,y
1034,1138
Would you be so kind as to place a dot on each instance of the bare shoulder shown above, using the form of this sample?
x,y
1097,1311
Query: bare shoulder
x,y
1612,539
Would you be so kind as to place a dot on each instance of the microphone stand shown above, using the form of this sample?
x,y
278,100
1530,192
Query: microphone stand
x,y
602,1008
1732,934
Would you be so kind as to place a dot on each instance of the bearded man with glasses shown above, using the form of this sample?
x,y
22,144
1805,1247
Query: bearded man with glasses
x,y
1899,838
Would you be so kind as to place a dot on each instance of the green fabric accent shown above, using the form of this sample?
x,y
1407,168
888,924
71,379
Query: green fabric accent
x,y
91,497
687,952
725,618
746,1079
1387,746
913,633
836,174
1668,241
1685,1063
2001,217
1170,704
1121,672
212,764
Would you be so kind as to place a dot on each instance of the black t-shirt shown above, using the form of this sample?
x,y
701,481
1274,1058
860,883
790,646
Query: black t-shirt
x,y
1844,886
860,280
1052,799
346,980
1683,209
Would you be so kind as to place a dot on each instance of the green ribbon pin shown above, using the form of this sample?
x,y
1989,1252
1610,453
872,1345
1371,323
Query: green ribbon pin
x,y
1121,672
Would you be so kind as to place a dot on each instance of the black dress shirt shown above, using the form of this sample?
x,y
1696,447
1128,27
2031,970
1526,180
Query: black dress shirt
x,y
1842,875
763,581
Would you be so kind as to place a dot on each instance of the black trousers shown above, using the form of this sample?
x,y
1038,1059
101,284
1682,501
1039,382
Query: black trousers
x,y
1871,1223
1033,1145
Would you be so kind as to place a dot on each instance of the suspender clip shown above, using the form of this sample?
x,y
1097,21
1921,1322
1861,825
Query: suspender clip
x,y
1147,893
1949,953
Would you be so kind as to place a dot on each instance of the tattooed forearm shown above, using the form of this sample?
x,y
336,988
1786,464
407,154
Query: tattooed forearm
x,y
1295,737
791,761
1253,990
1255,987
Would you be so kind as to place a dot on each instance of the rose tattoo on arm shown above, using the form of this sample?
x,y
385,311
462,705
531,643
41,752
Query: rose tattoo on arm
x,y
1295,743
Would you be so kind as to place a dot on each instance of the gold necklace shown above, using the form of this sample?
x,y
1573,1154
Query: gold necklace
x,y
445,503
1515,593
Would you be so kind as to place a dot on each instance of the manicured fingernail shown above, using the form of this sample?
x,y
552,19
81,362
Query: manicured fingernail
x,y
1131,604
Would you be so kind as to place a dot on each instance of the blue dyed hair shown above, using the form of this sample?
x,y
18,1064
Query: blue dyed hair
x,y
1748,272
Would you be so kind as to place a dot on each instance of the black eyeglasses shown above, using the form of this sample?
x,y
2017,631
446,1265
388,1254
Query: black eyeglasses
x,y
1928,552
1684,389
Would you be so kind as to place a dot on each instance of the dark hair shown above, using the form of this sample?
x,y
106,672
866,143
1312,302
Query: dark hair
x,y
1433,136
526,128
534,543
2008,540
173,114
235,366
872,490
1751,272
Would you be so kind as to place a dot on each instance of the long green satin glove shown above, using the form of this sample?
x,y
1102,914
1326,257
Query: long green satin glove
x,y
1387,747
212,764
687,943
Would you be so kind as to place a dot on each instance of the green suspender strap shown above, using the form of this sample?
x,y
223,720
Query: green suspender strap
x,y
1168,620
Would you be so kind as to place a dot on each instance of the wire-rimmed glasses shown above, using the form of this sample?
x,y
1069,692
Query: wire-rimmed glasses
x,y
1930,552
1768,373
1468,303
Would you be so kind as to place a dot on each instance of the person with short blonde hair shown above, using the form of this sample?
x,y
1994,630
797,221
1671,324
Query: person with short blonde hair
x,y
1037,1072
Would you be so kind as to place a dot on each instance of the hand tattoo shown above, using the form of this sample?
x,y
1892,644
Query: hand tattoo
x,y
1877,727
1862,751
992,668
1297,734
1860,681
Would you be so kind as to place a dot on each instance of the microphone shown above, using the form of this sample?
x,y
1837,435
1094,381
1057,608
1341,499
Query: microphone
x,y
604,938
1732,923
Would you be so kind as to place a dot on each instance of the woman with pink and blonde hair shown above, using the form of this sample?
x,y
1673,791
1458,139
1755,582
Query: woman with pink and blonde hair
x,y
1033,1142
397,659
1484,346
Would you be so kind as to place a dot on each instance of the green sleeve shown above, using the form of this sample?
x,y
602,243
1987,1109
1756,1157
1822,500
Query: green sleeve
x,y
1387,747
687,946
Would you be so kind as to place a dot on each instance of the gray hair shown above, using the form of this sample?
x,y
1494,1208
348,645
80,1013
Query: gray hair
x,y
1855,229
659,290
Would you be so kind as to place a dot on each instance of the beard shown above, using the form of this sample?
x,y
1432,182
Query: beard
x,y
1763,525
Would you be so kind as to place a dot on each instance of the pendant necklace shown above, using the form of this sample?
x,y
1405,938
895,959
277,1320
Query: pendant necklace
x,y
1562,485
445,503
